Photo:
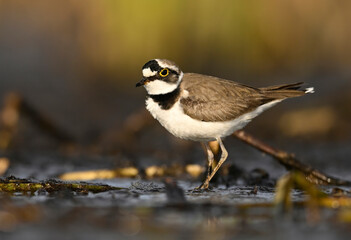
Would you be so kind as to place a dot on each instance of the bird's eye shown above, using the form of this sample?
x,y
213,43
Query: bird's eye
x,y
164,72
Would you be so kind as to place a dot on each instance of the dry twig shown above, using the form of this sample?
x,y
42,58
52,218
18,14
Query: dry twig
x,y
290,162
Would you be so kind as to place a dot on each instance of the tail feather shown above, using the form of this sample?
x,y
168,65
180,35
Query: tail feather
x,y
285,91
292,86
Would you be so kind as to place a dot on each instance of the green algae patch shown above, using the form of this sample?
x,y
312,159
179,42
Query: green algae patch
x,y
17,185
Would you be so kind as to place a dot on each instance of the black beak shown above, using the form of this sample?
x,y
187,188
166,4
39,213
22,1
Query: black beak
x,y
141,82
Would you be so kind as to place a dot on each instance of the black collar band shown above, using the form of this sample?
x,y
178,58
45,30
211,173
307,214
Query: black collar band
x,y
166,101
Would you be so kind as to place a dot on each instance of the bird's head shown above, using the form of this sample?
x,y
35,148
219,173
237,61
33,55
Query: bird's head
x,y
160,76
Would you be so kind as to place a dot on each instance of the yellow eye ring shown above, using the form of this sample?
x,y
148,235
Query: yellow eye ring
x,y
164,72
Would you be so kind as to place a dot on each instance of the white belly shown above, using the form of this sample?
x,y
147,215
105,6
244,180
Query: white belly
x,y
183,126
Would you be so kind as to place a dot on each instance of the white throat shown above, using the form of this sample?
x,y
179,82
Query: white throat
x,y
157,87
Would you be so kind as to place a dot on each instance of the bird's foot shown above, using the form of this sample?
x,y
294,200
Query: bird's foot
x,y
203,187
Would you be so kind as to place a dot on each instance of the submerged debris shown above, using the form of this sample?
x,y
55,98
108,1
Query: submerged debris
x,y
314,200
17,185
174,193
145,186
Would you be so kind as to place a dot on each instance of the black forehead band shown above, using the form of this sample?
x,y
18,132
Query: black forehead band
x,y
153,65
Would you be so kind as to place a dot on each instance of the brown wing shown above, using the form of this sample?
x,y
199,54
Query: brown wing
x,y
214,99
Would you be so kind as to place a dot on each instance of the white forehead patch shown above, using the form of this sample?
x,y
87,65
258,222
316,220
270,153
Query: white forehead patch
x,y
148,73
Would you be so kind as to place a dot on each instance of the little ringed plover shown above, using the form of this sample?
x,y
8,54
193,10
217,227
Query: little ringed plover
x,y
204,108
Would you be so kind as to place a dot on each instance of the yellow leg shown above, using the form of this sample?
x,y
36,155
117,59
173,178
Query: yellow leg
x,y
224,156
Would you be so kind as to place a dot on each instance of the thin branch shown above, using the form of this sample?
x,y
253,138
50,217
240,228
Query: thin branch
x,y
290,161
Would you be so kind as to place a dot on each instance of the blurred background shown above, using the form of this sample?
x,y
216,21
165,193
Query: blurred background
x,y
78,61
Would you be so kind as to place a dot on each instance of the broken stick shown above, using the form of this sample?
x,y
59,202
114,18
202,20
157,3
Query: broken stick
x,y
290,162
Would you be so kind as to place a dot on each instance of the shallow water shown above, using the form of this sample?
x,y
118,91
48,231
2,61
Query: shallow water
x,y
140,214
141,208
